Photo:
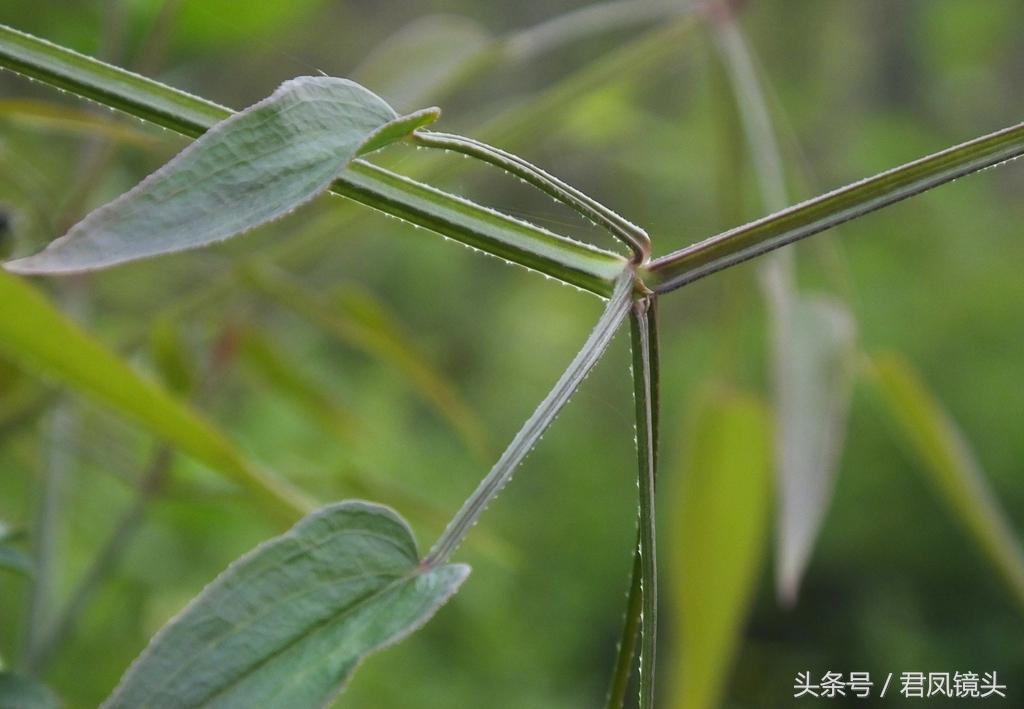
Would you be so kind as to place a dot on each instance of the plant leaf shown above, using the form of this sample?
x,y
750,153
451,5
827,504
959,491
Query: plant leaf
x,y
34,334
933,436
720,516
21,692
249,169
815,368
287,624
585,266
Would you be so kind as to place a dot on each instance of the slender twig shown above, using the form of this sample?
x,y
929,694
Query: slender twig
x,y
729,248
586,266
149,487
634,606
645,385
781,292
626,652
777,271
621,228
105,561
48,513
614,313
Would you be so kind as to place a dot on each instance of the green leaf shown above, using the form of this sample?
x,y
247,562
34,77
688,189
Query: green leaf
x,y
844,204
38,337
928,430
287,624
21,692
815,368
720,515
585,266
249,169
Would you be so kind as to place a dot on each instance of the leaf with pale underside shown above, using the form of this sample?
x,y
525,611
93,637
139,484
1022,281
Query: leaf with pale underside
x,y
516,241
815,375
287,624
251,168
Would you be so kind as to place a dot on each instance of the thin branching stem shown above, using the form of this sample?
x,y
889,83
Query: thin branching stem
x,y
581,265
626,652
614,313
59,464
645,385
105,561
618,226
842,205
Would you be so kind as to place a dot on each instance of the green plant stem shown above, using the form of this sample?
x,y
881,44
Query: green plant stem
x,y
626,652
569,261
844,204
105,561
634,601
777,271
622,229
585,266
645,384
59,460
614,313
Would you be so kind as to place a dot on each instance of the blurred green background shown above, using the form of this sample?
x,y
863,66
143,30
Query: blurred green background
x,y
640,117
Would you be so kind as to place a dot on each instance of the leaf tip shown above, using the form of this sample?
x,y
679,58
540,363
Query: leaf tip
x,y
21,266
39,264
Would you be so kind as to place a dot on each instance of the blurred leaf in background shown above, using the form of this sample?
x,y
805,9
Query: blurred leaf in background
x,y
720,503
